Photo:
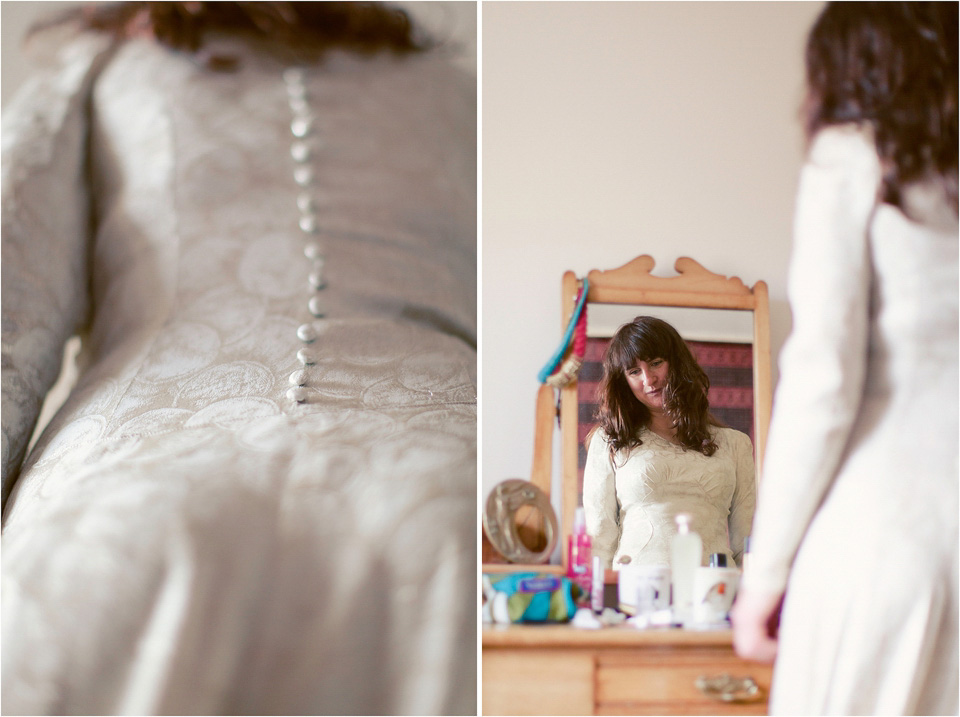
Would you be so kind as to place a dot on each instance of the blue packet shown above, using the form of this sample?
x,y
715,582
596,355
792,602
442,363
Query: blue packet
x,y
538,597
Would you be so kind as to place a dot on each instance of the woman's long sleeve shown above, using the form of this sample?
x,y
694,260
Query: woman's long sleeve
x,y
45,235
744,496
823,363
600,508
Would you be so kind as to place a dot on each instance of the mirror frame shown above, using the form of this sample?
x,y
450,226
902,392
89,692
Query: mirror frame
x,y
694,287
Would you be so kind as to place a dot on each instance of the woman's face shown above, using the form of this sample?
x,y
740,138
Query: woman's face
x,y
647,379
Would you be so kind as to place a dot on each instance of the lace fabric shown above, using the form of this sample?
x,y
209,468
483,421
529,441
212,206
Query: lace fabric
x,y
630,501
178,480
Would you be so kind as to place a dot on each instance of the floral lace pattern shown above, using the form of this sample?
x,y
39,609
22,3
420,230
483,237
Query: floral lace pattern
x,y
630,502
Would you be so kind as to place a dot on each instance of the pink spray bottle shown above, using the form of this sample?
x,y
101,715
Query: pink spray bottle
x,y
579,567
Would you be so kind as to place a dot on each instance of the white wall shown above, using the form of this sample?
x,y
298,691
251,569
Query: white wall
x,y
617,129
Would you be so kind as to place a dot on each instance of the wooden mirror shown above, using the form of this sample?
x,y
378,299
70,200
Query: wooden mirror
x,y
631,290
633,285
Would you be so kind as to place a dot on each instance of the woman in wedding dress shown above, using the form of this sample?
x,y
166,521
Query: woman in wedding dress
x,y
856,529
658,452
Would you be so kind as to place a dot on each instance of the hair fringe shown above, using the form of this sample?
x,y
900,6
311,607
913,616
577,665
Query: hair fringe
x,y
622,416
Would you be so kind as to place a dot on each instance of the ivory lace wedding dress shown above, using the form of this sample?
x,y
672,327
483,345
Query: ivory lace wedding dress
x,y
858,505
260,498
630,501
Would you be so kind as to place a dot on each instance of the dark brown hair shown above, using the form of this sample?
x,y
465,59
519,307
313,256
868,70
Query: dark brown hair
x,y
302,27
620,413
892,66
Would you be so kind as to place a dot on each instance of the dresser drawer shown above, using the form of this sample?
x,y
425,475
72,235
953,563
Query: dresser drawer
x,y
663,681
538,682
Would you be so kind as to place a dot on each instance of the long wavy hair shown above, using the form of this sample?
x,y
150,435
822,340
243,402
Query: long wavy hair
x,y
892,66
620,413
300,28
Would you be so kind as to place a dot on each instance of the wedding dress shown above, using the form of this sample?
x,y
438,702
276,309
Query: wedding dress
x,y
260,497
858,503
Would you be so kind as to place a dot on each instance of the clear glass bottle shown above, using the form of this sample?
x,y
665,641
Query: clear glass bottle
x,y
578,552
686,554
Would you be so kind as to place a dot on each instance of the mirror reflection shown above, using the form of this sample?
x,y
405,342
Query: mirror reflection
x,y
656,444
721,340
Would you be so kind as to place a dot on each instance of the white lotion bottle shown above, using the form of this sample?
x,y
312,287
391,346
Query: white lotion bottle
x,y
596,592
686,554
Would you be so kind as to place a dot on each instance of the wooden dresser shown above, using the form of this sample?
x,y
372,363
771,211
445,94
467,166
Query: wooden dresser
x,y
561,670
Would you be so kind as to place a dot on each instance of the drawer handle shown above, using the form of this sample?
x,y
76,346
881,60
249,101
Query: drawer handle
x,y
727,688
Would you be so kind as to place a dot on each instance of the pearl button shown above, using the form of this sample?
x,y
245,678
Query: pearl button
x,y
313,251
301,126
307,333
297,393
316,280
309,224
294,75
300,151
303,176
306,357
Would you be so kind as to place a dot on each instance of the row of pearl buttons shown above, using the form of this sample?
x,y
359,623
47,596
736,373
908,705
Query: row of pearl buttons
x,y
303,129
